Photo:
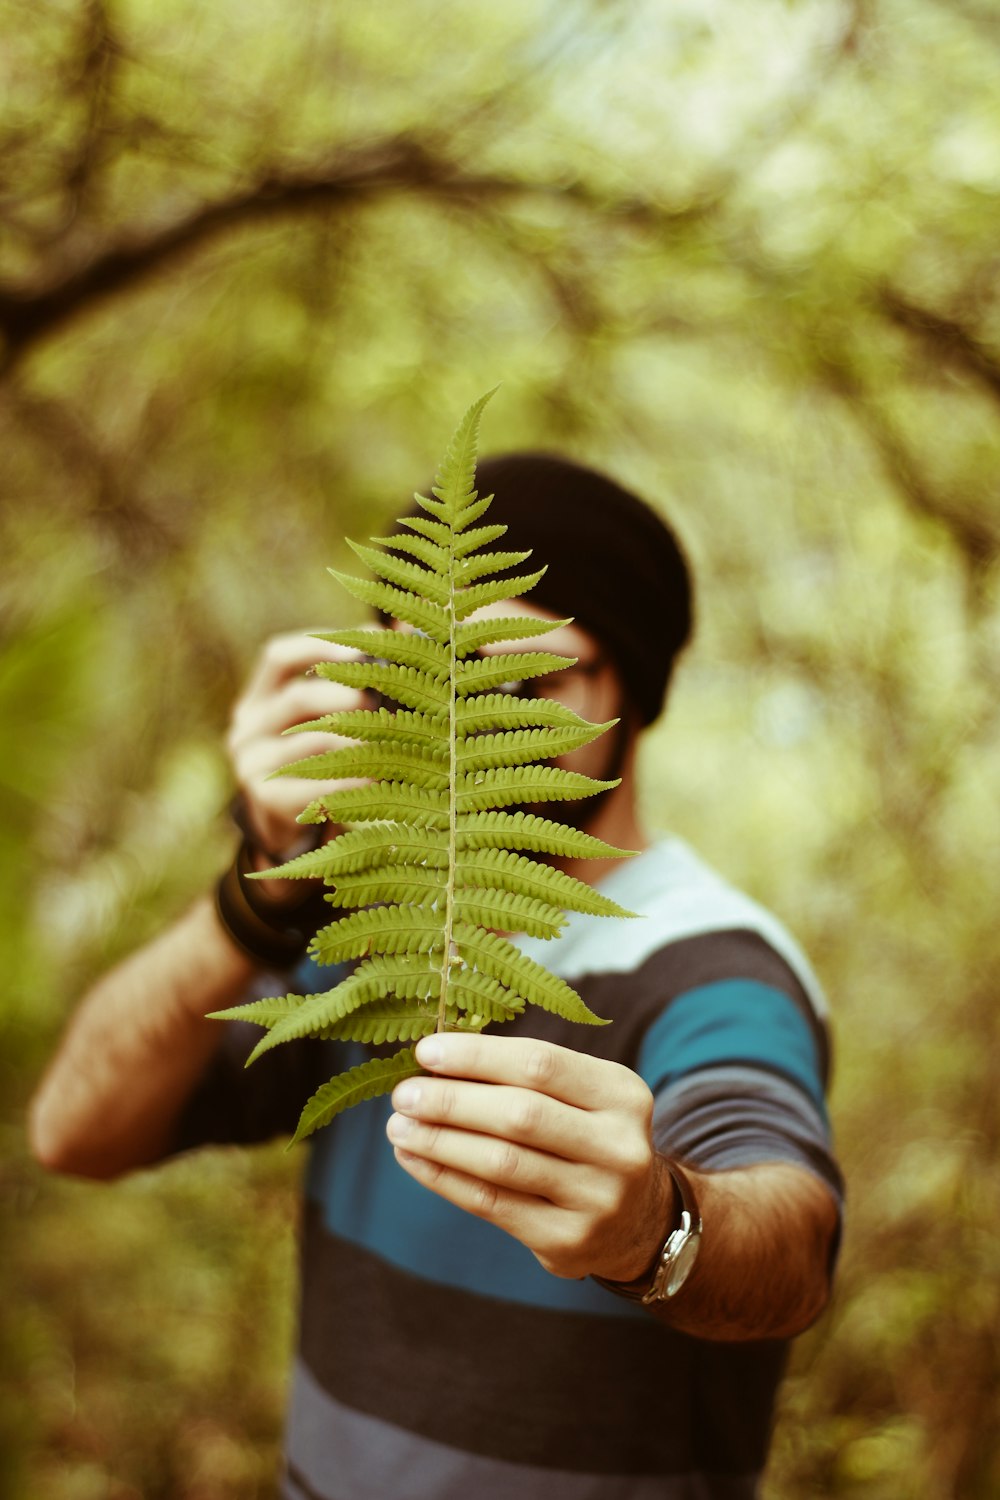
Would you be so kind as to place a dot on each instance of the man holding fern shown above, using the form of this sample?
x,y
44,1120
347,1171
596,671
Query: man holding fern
x,y
558,1260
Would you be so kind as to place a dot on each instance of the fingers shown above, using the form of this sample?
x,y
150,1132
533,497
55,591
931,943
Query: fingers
x,y
484,1159
278,696
514,1115
587,1083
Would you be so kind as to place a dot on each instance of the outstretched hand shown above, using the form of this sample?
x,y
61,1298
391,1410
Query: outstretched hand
x,y
550,1145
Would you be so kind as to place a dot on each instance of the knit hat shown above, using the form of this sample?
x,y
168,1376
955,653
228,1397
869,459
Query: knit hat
x,y
612,563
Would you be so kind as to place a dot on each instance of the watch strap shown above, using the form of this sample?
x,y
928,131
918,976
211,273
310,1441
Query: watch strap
x,y
274,935
652,1285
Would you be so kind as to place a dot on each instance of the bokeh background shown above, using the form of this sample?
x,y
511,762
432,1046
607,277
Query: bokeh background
x,y
256,260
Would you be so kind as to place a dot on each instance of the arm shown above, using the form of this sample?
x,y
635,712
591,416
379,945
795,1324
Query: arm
x,y
135,1049
139,1042
556,1148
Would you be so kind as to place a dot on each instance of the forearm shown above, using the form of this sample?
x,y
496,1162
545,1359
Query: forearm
x,y
763,1269
135,1049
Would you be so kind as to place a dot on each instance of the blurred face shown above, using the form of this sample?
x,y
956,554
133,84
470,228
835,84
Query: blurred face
x,y
591,688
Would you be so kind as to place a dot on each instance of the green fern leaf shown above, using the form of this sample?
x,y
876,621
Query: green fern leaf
x,y
378,726
504,830
383,929
421,613
509,911
487,562
403,647
433,554
515,747
403,575
368,847
367,1081
479,594
472,634
480,790
384,1021
477,993
418,884
393,801
267,1013
498,711
434,531
405,975
512,872
479,536
421,768
485,672
499,958
432,861
410,685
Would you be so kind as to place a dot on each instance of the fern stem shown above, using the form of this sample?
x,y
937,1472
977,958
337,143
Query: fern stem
x,y
449,895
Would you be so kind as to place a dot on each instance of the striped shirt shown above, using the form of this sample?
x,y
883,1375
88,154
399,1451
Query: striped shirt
x,y
437,1360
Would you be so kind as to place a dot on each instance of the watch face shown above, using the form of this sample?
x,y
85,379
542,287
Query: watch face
x,y
681,1264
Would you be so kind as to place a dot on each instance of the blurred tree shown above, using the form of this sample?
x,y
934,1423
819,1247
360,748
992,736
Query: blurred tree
x,y
743,257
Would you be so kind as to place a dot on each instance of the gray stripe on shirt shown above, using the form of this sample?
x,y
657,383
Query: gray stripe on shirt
x,y
335,1453
734,1116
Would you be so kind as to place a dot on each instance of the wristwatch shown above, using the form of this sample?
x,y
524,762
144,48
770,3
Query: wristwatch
x,y
676,1257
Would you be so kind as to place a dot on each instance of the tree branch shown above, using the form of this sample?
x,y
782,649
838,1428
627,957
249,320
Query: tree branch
x,y
945,335
977,540
403,164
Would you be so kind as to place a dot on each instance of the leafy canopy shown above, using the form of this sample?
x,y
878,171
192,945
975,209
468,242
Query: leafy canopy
x,y
431,868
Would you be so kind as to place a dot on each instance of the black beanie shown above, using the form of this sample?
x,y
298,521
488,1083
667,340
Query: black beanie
x,y
612,563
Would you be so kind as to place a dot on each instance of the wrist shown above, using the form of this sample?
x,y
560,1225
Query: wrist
x,y
677,1241
268,921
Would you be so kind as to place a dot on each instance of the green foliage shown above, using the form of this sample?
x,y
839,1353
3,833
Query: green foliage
x,y
429,872
742,257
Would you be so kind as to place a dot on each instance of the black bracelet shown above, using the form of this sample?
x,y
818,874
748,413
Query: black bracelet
x,y
273,935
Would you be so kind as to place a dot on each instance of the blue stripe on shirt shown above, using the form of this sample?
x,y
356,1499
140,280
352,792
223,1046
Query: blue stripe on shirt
x,y
368,1199
732,1021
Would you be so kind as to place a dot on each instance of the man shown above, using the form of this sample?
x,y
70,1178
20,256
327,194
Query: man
x,y
573,1267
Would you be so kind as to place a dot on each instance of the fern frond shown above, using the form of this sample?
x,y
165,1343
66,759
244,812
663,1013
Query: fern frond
x,y
401,574
368,847
378,929
266,1013
479,790
472,513
434,531
411,883
472,634
496,711
432,864
407,976
409,685
471,990
421,613
420,767
479,594
406,648
367,1081
515,747
498,958
479,536
377,725
485,672
385,1021
484,563
520,830
433,554
509,911
393,801
513,872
